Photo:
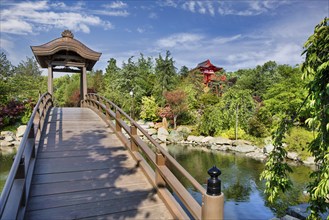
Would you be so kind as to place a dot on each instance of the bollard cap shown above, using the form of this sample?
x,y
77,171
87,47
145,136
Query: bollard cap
x,y
214,172
213,183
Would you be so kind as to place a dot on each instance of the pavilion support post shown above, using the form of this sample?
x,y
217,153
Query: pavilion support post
x,y
50,80
83,83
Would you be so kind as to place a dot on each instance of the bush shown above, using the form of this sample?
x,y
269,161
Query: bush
x,y
149,109
230,134
298,139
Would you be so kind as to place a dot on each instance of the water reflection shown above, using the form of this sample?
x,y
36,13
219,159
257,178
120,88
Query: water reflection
x,y
5,165
244,197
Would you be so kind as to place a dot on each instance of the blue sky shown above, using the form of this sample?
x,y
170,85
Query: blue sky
x,y
232,34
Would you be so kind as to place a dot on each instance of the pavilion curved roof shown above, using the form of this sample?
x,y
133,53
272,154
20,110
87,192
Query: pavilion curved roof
x,y
63,46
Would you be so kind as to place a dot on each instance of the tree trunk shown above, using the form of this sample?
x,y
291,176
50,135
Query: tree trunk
x,y
175,119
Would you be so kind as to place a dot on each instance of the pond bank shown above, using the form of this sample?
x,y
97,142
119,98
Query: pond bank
x,y
182,136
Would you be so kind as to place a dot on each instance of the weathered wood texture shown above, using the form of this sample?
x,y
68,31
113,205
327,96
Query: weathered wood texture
x,y
83,171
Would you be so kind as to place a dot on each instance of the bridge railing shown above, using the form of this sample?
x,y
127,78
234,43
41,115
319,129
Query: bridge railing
x,y
17,187
157,163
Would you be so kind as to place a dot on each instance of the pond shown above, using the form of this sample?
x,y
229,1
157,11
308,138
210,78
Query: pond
x,y
244,197
5,165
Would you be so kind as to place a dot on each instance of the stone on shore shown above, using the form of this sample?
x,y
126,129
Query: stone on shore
x,y
244,148
195,139
175,137
162,134
293,156
20,131
220,141
309,161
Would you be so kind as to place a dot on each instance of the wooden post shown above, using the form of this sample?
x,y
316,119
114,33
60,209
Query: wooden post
x,y
160,160
83,83
213,200
133,132
50,79
117,118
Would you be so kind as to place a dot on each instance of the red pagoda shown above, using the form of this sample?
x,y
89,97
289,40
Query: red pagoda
x,y
208,70
210,79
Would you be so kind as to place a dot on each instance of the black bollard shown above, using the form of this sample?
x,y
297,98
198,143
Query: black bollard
x,y
214,184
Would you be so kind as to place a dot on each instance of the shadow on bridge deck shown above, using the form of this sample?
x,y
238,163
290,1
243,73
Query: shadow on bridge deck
x,y
83,171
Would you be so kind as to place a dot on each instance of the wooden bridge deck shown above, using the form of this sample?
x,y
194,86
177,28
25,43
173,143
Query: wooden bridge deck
x,y
83,171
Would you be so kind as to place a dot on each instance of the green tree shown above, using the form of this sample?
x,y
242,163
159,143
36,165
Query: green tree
x,y
315,68
6,72
165,76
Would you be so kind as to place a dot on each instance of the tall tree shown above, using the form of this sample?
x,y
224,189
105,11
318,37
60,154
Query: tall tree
x,y
316,68
165,73
6,72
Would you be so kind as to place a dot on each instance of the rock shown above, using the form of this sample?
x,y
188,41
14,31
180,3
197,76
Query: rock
x,y
219,147
7,133
140,122
163,134
268,148
286,217
151,131
195,139
206,139
184,129
309,161
150,124
145,126
175,137
257,154
220,141
241,142
6,144
244,148
301,212
7,150
162,138
20,131
9,138
163,131
16,143
158,125
292,156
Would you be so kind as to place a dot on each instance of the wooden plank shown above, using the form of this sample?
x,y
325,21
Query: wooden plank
x,y
155,212
133,203
108,173
82,152
57,165
87,196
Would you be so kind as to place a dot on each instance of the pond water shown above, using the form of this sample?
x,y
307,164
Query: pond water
x,y
244,198
5,165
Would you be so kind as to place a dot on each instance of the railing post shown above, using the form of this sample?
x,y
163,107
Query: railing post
x,y
160,160
117,118
133,131
32,137
213,200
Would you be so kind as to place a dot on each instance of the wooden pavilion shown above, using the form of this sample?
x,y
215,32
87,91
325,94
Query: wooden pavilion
x,y
66,54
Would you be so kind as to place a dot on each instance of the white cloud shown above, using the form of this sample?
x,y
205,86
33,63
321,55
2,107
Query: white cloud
x,y
30,17
140,30
153,15
116,5
118,13
180,39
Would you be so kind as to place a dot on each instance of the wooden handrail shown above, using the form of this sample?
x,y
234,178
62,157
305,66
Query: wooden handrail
x,y
108,111
16,190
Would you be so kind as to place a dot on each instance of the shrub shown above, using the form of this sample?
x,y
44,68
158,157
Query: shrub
x,y
298,139
149,109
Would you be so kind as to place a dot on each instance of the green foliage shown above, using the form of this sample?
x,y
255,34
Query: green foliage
x,y
213,120
149,109
276,169
298,139
316,68
165,76
230,134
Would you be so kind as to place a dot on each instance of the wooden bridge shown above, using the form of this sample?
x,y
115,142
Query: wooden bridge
x,y
90,163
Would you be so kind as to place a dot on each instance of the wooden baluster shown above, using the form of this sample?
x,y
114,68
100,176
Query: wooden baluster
x,y
160,160
133,132
117,118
